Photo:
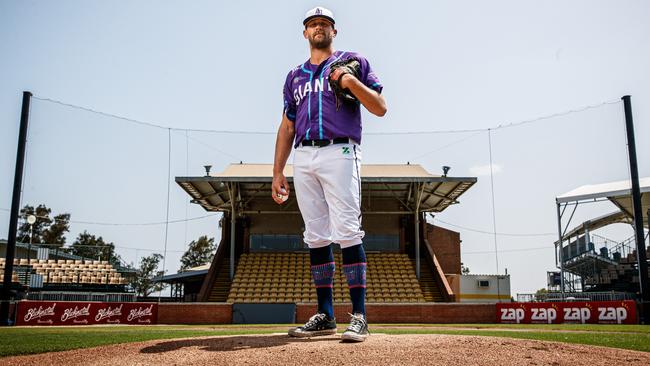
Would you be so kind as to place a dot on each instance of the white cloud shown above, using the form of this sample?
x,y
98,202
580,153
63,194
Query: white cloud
x,y
481,170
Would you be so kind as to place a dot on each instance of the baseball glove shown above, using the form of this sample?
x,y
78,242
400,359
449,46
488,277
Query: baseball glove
x,y
350,66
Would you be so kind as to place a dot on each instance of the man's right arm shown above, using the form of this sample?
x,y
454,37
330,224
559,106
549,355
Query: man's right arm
x,y
283,145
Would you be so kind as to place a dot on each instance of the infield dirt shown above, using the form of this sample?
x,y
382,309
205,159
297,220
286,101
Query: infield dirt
x,y
379,349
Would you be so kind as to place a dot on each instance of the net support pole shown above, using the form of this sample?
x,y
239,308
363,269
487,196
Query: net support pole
x,y
418,197
638,213
559,248
5,295
417,244
233,227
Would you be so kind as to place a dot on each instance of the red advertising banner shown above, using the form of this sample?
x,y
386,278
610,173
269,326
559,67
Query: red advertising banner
x,y
580,312
84,313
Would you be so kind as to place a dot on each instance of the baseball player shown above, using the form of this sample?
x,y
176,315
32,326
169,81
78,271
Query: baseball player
x,y
322,121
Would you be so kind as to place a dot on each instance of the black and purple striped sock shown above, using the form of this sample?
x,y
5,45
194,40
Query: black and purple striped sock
x,y
354,267
322,271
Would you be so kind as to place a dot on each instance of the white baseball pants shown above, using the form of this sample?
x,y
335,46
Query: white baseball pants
x,y
328,190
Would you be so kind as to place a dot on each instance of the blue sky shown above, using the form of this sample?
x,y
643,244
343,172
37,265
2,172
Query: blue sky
x,y
217,65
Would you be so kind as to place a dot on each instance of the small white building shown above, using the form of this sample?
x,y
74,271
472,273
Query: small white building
x,y
479,288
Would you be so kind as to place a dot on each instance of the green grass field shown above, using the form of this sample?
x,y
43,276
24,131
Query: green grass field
x,y
30,340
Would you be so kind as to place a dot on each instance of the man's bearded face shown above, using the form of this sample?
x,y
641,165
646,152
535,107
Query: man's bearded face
x,y
320,33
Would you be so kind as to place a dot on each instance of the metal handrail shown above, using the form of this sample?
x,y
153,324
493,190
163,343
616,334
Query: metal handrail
x,y
81,296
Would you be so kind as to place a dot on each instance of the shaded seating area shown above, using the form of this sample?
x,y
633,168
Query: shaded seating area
x,y
286,278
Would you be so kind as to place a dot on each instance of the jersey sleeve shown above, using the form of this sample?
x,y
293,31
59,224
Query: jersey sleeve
x,y
368,76
289,101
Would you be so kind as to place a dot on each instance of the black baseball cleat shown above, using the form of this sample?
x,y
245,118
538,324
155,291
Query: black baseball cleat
x,y
318,325
358,329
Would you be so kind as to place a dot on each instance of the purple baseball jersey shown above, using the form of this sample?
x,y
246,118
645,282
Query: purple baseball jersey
x,y
311,104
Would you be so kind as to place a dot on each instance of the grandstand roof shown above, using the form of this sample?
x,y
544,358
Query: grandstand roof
x,y
199,268
383,172
198,271
604,190
619,193
599,222
395,182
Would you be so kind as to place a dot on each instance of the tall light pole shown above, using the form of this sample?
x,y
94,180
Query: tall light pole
x,y
6,293
642,258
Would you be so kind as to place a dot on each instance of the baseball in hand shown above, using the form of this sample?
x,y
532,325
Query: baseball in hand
x,y
283,195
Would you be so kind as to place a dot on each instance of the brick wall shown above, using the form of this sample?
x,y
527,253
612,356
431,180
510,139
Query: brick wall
x,y
446,246
410,313
220,313
194,313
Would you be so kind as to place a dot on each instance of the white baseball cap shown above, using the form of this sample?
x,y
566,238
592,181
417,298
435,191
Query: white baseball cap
x,y
319,12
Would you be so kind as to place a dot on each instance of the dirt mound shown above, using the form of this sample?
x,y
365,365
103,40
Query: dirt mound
x,y
379,349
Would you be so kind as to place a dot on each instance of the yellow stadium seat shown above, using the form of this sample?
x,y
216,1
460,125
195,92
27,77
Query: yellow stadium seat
x,y
286,277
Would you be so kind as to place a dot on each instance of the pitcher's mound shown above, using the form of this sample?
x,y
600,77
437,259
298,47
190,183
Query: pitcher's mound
x,y
379,349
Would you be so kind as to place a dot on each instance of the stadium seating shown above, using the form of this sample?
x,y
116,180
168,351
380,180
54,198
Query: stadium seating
x,y
286,278
70,271
616,276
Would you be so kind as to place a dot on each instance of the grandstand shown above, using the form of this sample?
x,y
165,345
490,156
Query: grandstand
x,y
285,278
591,262
68,271
46,271
261,257
613,267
